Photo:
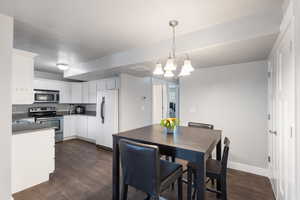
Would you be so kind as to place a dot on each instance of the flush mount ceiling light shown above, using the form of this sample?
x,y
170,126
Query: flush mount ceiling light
x,y
62,66
171,65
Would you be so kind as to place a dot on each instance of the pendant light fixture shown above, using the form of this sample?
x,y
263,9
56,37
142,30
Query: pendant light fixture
x,y
171,65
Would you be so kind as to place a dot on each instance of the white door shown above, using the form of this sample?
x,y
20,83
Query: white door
x,y
285,117
108,116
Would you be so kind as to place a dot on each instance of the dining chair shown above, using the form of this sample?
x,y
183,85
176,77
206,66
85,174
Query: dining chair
x,y
214,170
200,125
143,169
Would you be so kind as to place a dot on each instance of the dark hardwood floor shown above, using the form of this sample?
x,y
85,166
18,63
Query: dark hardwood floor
x,y
84,173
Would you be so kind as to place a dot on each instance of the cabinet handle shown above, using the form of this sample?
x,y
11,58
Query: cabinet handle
x,y
102,109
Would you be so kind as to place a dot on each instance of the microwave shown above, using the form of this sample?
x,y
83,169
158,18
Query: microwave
x,y
46,96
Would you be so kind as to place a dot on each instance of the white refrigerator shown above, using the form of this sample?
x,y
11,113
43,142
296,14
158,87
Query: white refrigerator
x,y
107,115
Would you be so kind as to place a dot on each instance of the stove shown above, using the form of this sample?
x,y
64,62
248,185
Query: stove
x,y
48,115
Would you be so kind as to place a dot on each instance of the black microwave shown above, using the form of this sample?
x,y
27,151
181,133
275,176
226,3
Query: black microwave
x,y
46,96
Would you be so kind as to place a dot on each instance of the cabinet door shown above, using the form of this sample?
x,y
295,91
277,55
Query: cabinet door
x,y
92,92
82,126
111,84
22,77
76,92
41,84
93,127
101,85
65,93
68,126
85,92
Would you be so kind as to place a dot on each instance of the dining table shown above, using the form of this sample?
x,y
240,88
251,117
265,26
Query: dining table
x,y
192,144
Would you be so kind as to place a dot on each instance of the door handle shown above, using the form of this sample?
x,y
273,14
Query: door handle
x,y
273,132
102,110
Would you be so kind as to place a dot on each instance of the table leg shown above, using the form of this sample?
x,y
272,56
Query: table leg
x,y
219,157
116,170
201,177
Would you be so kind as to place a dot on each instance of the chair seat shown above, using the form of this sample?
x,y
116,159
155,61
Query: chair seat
x,y
167,168
213,168
169,173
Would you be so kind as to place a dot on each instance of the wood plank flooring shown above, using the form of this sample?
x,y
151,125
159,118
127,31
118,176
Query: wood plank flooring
x,y
85,173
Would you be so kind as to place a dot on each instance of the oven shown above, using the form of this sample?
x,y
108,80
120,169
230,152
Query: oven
x,y
56,122
46,96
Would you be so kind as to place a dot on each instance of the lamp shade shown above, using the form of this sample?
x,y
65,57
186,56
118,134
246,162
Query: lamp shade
x,y
184,72
170,64
158,69
187,65
62,66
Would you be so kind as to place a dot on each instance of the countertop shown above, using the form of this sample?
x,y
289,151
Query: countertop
x,y
19,128
22,122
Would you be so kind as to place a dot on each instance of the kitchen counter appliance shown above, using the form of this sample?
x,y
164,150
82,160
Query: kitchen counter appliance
x,y
47,115
79,110
46,96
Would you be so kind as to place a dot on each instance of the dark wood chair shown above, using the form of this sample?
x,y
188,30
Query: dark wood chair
x,y
200,125
143,170
215,170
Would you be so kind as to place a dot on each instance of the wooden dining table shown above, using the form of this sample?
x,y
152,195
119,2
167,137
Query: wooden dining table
x,y
187,143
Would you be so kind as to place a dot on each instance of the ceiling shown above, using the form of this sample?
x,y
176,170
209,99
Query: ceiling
x,y
81,31
254,49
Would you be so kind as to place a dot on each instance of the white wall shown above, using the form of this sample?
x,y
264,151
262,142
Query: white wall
x,y
297,54
234,99
134,110
6,42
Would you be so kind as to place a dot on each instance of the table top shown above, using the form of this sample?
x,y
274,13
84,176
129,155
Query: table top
x,y
188,138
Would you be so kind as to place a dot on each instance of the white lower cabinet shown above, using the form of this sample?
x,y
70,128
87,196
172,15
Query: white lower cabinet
x,y
33,158
81,126
85,127
93,127
69,127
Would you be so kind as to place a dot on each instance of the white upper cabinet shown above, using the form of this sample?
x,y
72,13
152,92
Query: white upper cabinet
x,y
108,84
22,77
92,92
65,92
76,89
70,92
64,88
85,92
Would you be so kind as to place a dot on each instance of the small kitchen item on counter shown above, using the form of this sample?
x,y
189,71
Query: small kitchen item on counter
x,y
79,110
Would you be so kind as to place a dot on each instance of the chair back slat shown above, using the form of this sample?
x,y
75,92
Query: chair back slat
x,y
225,156
140,166
200,125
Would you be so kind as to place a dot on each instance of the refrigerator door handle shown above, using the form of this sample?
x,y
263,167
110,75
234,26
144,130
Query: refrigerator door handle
x,y
102,109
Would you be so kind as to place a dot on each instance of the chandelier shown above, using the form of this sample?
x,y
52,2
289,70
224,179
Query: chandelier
x,y
171,64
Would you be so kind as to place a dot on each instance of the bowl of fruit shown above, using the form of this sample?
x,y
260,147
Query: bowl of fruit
x,y
170,124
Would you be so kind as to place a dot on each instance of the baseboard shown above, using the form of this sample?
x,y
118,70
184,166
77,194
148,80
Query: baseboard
x,y
70,138
249,169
